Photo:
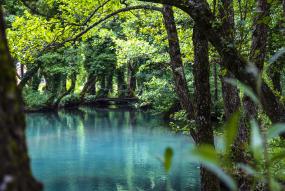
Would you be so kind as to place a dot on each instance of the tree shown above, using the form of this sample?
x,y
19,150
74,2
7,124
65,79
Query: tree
x,y
15,171
200,12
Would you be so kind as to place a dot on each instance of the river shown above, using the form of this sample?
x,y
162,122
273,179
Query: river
x,y
92,149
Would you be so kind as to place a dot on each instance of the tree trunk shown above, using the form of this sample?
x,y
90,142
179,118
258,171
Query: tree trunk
x,y
15,171
201,74
200,12
132,81
216,96
109,84
102,91
231,97
205,133
35,82
121,84
260,34
176,62
258,50
89,84
22,70
28,75
67,92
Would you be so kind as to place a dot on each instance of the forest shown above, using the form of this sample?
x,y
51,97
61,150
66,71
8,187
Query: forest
x,y
149,94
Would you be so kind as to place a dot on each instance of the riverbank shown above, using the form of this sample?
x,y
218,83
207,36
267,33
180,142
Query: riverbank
x,y
98,102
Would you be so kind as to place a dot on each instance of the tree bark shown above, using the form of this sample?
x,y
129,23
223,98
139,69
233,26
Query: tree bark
x,y
176,64
103,90
15,171
90,82
35,81
205,133
215,71
132,80
258,50
260,34
67,92
200,12
91,85
28,76
109,84
121,84
231,96
22,70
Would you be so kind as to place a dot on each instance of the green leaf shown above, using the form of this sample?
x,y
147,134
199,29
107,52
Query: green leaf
x,y
227,179
246,89
231,129
277,157
168,155
275,130
207,156
247,169
256,143
205,153
275,185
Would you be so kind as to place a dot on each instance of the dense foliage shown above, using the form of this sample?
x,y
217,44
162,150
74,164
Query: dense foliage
x,y
73,52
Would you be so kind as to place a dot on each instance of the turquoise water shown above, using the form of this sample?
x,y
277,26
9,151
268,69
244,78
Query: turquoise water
x,y
101,149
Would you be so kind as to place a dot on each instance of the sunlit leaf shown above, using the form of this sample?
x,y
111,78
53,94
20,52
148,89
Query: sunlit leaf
x,y
205,153
168,155
275,130
225,178
207,156
256,142
231,129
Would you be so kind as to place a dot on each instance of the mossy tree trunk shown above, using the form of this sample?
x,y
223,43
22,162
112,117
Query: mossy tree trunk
x,y
232,102
200,12
109,84
102,91
205,133
121,84
15,171
177,67
258,49
132,80
92,84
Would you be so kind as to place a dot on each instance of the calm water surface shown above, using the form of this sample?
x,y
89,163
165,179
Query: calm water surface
x,y
98,149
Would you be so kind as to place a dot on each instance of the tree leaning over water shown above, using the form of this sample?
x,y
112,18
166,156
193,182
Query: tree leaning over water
x,y
15,172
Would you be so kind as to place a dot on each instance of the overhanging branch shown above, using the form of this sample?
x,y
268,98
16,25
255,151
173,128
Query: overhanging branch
x,y
145,7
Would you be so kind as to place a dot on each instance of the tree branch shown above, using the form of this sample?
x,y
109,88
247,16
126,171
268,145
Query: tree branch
x,y
146,7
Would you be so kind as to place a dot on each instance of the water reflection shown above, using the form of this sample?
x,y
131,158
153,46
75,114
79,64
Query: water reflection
x,y
97,149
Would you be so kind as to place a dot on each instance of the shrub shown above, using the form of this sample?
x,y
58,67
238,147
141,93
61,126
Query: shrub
x,y
35,99
70,100
159,94
90,99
